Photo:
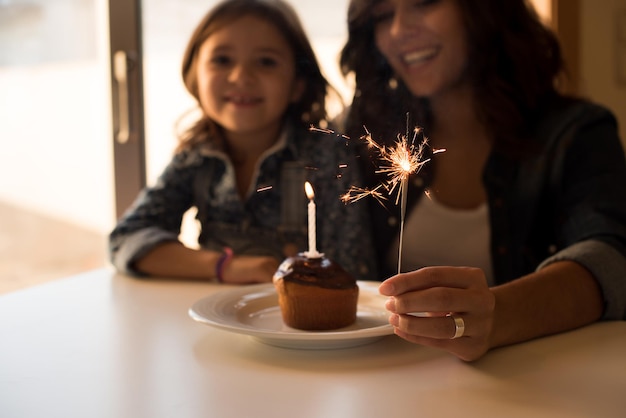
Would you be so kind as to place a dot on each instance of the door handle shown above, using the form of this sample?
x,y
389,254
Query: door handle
x,y
120,73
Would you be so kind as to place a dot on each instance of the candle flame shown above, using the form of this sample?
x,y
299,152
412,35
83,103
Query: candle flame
x,y
309,190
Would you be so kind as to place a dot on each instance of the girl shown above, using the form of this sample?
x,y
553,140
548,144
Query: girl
x,y
244,163
525,231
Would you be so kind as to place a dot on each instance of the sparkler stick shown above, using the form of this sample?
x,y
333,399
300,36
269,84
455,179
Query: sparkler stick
x,y
404,187
403,191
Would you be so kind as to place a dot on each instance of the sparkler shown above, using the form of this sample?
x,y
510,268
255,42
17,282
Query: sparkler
x,y
398,162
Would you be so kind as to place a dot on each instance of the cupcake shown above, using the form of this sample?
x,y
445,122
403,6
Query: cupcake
x,y
315,294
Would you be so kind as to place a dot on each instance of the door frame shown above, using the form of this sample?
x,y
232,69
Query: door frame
x,y
127,101
566,21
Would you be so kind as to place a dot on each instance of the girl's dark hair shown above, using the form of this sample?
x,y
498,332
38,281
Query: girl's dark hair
x,y
514,62
310,109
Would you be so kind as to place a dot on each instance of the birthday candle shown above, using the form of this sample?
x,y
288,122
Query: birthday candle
x,y
312,228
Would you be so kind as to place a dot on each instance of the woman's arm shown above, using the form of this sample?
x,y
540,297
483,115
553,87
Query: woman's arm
x,y
560,297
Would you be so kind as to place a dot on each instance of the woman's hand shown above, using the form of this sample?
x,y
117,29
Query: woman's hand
x,y
425,302
244,269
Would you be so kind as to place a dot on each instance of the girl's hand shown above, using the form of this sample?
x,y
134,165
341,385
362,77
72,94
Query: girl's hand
x,y
424,302
244,269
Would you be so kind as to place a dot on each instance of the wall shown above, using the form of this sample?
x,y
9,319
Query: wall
x,y
603,55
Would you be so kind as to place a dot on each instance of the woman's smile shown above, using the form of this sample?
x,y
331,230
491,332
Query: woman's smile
x,y
420,56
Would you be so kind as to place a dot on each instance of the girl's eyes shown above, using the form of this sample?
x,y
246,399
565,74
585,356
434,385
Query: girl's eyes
x,y
225,61
221,60
268,62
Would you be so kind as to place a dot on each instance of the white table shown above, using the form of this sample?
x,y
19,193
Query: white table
x,y
105,345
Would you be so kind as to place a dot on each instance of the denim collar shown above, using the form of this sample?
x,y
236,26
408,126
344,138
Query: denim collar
x,y
286,141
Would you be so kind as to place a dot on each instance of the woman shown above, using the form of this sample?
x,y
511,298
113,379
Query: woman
x,y
524,234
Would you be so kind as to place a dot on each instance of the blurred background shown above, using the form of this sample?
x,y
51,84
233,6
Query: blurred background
x,y
57,175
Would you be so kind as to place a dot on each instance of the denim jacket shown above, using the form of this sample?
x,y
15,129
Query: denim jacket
x,y
567,202
271,220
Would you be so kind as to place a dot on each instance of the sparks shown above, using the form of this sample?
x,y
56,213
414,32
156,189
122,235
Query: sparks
x,y
398,162
264,189
356,193
328,132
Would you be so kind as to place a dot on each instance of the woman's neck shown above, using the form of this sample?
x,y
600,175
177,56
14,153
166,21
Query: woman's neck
x,y
455,119
457,178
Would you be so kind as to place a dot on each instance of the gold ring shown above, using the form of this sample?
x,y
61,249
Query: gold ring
x,y
459,327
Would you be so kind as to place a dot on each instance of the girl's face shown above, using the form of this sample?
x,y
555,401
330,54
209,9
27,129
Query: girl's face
x,y
424,41
247,77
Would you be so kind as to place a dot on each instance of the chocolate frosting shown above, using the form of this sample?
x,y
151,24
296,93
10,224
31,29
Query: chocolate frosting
x,y
321,272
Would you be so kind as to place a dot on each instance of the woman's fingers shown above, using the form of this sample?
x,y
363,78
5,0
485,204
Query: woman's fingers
x,y
437,301
441,328
444,307
427,277
438,291
439,332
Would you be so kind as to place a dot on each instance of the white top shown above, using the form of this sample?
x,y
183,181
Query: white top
x,y
437,235
104,345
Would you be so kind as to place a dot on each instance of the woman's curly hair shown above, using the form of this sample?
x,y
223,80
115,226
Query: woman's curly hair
x,y
515,64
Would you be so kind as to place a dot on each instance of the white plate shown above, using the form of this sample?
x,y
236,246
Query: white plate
x,y
254,310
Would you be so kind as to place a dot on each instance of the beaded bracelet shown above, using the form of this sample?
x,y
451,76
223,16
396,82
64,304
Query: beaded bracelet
x,y
226,256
